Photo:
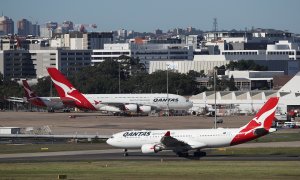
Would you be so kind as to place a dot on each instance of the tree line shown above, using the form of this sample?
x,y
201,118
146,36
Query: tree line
x,y
128,75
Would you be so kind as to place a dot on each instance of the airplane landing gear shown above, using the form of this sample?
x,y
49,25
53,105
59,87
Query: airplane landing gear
x,y
125,153
182,154
199,153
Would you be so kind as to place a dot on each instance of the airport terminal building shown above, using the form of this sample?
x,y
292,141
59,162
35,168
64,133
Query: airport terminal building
x,y
249,102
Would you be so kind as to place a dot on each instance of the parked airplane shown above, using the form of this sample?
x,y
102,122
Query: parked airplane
x,y
181,141
51,103
136,103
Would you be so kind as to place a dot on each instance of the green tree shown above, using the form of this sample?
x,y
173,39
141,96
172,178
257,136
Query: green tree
x,y
43,87
245,65
231,84
9,88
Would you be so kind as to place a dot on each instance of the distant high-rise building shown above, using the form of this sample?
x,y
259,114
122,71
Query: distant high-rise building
x,y
35,30
158,32
131,34
67,26
177,31
122,33
190,29
51,25
46,30
6,25
24,27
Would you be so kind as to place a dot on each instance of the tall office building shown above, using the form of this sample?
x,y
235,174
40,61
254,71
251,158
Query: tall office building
x,y
6,25
35,30
24,27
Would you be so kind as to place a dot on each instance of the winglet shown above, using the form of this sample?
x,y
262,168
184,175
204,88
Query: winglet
x,y
168,133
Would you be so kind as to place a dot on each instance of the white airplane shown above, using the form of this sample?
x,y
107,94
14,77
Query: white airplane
x,y
137,103
51,103
181,141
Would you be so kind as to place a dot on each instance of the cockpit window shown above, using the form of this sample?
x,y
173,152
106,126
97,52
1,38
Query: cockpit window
x,y
112,137
187,100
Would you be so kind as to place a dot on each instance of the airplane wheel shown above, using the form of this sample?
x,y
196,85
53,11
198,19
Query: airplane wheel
x,y
182,154
199,153
125,153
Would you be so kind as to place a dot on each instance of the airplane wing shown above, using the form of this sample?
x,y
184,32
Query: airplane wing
x,y
68,101
16,99
170,142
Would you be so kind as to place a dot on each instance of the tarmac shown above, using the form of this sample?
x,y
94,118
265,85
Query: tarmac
x,y
117,154
97,123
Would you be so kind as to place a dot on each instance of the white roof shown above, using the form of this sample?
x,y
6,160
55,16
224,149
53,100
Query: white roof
x,y
9,127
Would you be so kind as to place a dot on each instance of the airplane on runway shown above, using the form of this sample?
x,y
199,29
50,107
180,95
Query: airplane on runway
x,y
182,141
133,103
51,103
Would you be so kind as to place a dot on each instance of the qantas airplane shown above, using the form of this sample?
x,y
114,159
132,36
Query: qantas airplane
x,y
181,141
136,103
51,103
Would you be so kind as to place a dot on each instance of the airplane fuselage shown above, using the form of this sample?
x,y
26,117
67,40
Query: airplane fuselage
x,y
157,101
206,138
53,103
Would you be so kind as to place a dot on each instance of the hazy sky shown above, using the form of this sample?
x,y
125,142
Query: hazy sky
x,y
146,16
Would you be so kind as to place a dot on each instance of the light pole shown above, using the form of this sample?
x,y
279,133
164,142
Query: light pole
x,y
119,79
167,90
215,98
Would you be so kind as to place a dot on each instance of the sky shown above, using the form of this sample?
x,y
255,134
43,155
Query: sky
x,y
147,16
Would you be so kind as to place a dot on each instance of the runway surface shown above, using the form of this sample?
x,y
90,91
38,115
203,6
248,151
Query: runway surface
x,y
92,123
117,154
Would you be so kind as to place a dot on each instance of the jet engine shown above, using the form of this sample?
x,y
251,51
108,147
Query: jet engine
x,y
131,107
109,108
151,148
145,109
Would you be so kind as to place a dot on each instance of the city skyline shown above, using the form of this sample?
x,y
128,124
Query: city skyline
x,y
148,16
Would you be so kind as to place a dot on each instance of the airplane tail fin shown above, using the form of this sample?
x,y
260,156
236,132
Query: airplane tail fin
x,y
265,116
62,84
260,125
67,92
29,94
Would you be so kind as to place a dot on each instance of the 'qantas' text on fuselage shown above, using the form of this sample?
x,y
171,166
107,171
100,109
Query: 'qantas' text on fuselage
x,y
165,100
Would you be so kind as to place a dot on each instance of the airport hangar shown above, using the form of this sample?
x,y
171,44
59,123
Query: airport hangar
x,y
249,102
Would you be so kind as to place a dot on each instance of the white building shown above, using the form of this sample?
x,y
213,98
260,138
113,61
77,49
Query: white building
x,y
145,52
78,40
184,66
250,101
254,36
19,64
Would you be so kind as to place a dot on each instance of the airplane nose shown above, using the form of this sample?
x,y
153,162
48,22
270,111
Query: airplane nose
x,y
109,141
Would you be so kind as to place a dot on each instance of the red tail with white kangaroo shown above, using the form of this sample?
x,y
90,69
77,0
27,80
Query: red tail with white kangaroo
x,y
67,92
31,96
259,125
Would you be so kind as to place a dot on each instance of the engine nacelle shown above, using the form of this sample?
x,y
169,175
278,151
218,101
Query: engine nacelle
x,y
145,109
131,107
151,148
109,108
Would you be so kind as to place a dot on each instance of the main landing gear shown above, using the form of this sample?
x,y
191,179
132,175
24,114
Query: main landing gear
x,y
197,153
125,153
